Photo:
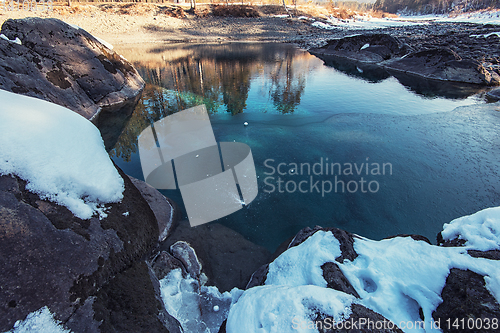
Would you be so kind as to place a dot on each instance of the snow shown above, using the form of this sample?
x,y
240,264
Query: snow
x,y
59,153
291,269
479,17
103,42
480,230
74,26
486,35
365,46
363,22
394,277
282,309
322,25
16,41
367,22
305,18
397,277
40,321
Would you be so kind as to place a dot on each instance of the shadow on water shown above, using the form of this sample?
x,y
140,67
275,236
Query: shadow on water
x,y
301,111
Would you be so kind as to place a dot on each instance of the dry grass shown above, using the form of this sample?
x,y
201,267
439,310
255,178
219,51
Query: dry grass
x,y
312,11
341,13
381,14
205,10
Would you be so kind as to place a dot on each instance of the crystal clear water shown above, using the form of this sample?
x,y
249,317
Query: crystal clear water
x,y
356,148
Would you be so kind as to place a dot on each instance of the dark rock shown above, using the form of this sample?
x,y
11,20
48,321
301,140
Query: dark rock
x,y
449,243
491,254
443,64
222,328
465,297
183,252
67,66
258,278
228,258
369,72
436,88
368,48
128,303
166,211
164,263
52,258
494,94
165,318
358,312
435,60
414,237
335,279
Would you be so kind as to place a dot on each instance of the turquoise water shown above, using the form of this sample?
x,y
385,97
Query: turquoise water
x,y
405,158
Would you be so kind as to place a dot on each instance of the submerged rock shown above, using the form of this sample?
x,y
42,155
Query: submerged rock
x,y
228,258
65,65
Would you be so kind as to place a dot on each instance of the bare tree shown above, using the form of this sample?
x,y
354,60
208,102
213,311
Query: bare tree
x,y
284,5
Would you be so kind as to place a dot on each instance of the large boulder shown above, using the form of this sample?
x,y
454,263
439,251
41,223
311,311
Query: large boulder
x,y
465,296
367,48
64,64
445,65
494,94
391,54
166,212
90,273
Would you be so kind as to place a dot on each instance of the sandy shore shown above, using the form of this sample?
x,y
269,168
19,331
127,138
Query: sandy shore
x,y
147,23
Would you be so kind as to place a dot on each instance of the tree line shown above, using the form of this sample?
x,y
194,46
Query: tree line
x,y
433,6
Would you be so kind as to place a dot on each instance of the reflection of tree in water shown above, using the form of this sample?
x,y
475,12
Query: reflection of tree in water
x,y
235,85
286,89
156,103
217,81
227,79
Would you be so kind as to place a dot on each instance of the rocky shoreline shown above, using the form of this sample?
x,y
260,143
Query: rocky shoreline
x,y
106,274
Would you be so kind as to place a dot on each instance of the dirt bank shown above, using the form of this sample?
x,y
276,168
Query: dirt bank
x,y
134,23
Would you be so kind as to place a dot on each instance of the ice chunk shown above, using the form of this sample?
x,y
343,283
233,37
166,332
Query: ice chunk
x,y
40,321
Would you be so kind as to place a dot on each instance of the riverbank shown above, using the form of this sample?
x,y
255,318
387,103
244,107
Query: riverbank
x,y
133,23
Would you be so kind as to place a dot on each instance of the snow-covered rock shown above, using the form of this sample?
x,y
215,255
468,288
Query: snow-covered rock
x,y
402,280
73,229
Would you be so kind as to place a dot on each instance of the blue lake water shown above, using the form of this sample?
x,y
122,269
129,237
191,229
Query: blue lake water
x,y
406,155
